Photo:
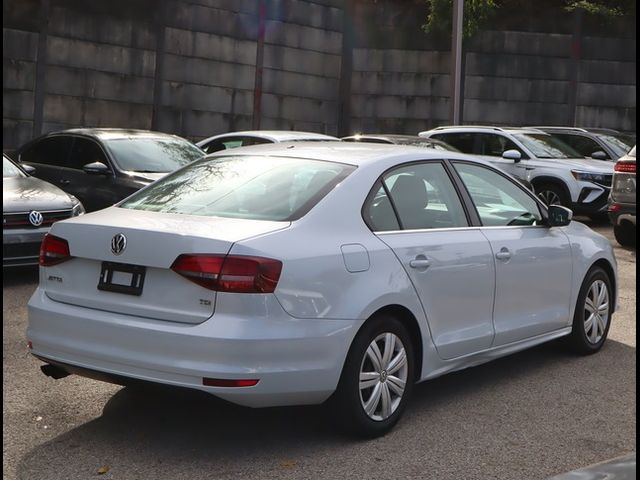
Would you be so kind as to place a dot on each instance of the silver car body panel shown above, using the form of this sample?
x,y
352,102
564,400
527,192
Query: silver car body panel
x,y
296,339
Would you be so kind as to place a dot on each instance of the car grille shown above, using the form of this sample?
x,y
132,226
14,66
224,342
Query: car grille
x,y
20,250
21,220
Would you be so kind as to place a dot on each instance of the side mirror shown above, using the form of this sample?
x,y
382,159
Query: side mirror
x,y
29,169
96,168
513,154
599,155
559,216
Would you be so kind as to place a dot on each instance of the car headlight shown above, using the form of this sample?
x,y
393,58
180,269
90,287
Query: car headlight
x,y
77,208
599,178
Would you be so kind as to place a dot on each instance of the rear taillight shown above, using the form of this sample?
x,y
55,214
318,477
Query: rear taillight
x,y
53,250
230,273
625,167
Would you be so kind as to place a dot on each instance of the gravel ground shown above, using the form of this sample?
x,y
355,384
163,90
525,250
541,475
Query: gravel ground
x,y
531,415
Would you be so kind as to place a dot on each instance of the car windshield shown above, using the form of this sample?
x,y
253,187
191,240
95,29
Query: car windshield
x,y
152,155
620,144
251,187
9,170
546,146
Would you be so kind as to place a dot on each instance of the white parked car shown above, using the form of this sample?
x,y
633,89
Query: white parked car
x,y
226,141
559,174
297,273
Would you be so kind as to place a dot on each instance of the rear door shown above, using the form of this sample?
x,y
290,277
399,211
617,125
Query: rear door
x,y
532,261
416,211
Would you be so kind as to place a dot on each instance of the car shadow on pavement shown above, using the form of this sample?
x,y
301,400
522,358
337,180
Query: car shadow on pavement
x,y
154,432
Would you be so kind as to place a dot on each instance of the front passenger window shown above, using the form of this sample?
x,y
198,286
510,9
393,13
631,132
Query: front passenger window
x,y
498,200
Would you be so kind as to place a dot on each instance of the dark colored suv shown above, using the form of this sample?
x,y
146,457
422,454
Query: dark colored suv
x,y
101,166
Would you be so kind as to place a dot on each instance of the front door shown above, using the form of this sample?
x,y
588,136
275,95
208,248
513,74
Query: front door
x,y
532,261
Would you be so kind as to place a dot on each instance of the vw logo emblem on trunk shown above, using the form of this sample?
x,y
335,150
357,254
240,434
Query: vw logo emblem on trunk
x,y
118,243
35,218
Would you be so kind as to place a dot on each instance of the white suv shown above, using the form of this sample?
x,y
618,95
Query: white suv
x,y
559,175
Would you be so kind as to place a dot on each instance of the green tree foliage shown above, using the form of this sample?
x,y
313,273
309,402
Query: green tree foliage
x,y
478,13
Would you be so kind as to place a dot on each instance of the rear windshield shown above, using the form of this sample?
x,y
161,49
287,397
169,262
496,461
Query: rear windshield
x,y
152,155
251,187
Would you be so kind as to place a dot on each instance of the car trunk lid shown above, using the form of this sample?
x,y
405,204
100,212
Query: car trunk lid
x,y
152,242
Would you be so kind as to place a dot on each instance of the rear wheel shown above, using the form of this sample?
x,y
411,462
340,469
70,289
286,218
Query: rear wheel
x,y
377,378
552,194
625,234
592,317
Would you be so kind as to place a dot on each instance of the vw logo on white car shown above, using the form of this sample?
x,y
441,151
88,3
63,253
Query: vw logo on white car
x,y
118,243
35,218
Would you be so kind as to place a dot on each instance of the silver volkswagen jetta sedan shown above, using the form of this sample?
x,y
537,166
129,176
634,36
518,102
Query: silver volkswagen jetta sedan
x,y
291,274
29,207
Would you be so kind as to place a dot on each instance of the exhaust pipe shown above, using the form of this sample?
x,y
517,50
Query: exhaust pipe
x,y
54,371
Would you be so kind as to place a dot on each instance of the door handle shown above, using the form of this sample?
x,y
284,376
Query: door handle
x,y
419,262
503,254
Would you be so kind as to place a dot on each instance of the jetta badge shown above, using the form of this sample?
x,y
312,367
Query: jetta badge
x,y
118,243
35,218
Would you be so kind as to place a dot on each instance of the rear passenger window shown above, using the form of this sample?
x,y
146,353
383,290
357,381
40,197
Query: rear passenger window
x,y
422,196
378,212
52,151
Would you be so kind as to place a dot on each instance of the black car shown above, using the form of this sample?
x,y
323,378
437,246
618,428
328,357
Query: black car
x,y
101,166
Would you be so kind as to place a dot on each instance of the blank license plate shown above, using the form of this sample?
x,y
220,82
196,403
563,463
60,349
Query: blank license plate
x,y
121,278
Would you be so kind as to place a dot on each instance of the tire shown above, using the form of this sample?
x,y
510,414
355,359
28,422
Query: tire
x,y
348,403
625,234
583,339
552,194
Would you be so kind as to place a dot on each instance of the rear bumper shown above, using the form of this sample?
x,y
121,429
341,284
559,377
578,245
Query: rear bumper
x,y
21,246
297,361
622,213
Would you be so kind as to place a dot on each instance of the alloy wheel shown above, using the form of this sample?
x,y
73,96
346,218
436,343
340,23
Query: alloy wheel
x,y
550,197
596,311
383,376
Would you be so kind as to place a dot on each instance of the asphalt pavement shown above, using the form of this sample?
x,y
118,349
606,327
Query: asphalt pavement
x,y
532,415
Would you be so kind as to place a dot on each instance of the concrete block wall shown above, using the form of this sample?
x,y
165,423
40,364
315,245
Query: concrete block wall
x,y
607,83
98,70
301,65
517,78
208,75
20,49
192,67
399,91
